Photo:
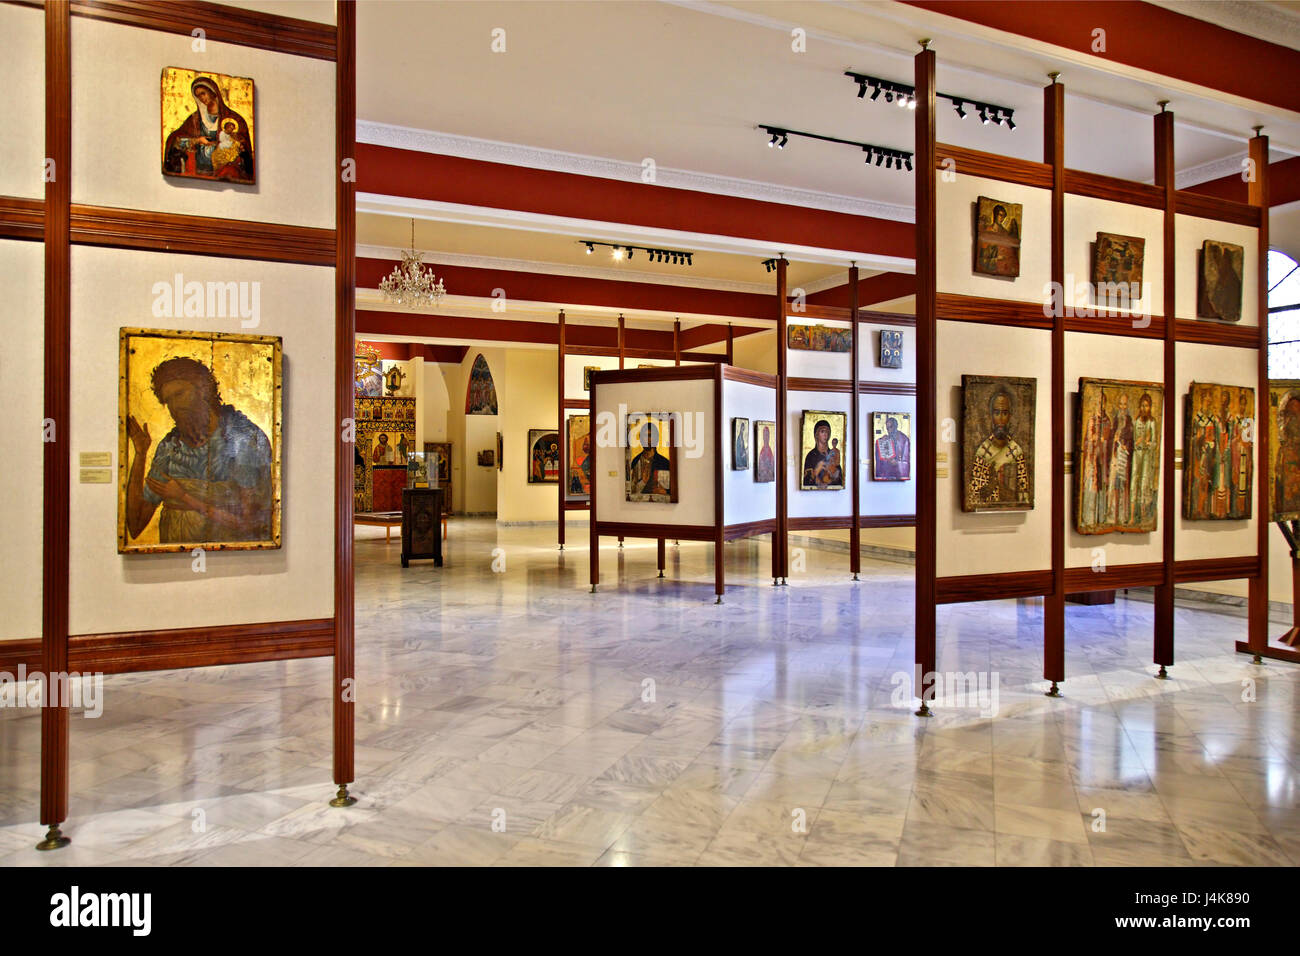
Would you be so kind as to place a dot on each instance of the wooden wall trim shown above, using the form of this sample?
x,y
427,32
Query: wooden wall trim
x,y
886,388
951,307
820,523
696,356
201,235
819,385
975,162
1118,323
1217,569
15,654
640,529
227,24
574,403
744,530
723,439
1083,580
733,374
886,318
155,650
964,588
832,313
1208,332
672,373
887,521
1113,188
342,693
22,218
57,462
1212,207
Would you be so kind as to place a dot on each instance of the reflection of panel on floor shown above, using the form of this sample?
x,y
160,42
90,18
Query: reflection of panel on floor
x,y
387,485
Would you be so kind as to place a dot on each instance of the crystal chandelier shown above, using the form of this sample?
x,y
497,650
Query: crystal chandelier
x,y
410,283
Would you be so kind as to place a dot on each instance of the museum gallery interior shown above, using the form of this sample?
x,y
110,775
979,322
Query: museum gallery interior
x,y
646,433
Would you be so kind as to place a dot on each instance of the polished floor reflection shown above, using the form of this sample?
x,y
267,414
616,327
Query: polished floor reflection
x,y
507,716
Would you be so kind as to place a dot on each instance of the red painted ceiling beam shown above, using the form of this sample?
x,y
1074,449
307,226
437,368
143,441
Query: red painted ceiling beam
x,y
1147,37
416,175
612,294
1283,184
405,351
877,288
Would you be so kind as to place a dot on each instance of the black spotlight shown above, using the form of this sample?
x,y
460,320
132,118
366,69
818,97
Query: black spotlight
x,y
1011,124
909,163
961,112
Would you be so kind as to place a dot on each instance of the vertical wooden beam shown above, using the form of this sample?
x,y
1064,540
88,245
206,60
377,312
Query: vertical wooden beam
x,y
780,540
621,332
593,537
677,341
854,461
1257,195
731,346
1163,639
345,330
719,506
57,461
926,422
1054,603
564,434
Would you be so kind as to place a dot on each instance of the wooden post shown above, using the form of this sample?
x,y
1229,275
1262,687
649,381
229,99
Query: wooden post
x,y
926,369
1257,592
677,341
594,538
1054,603
621,329
730,345
662,557
58,399
719,518
345,333
780,540
564,439
1163,638
856,459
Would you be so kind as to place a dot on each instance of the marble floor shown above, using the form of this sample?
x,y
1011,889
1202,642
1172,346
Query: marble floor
x,y
506,716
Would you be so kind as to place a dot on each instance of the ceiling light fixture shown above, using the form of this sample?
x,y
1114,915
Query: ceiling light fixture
x,y
769,265
880,152
905,96
621,251
411,284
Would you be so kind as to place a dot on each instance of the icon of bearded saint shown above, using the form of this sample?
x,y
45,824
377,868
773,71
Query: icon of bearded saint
x,y
214,141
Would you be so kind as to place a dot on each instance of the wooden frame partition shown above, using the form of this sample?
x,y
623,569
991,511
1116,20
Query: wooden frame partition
x,y
1055,582
59,224
718,532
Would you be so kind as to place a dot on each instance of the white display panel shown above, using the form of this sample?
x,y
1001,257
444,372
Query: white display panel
x,y
801,363
987,543
573,367
1084,218
869,369
955,254
111,592
817,504
22,390
22,77
885,497
697,439
743,498
1114,357
1190,233
1216,365
117,141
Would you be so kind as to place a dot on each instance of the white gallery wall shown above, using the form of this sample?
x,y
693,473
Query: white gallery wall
x,y
744,499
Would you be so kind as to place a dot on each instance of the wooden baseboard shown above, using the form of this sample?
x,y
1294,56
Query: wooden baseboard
x,y
129,651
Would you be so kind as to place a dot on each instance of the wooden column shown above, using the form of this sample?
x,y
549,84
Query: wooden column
x,y
57,460
780,540
621,331
1163,640
564,441
677,341
345,331
1054,603
926,420
593,537
719,518
1257,592
731,343
855,437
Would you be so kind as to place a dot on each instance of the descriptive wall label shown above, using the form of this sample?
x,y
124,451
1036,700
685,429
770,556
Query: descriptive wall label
x,y
97,476
941,458
941,473
95,459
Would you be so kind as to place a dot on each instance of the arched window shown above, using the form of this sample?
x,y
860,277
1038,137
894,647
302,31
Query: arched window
x,y
1283,316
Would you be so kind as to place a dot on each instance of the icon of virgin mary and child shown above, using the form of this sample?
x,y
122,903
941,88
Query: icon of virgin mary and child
x,y
213,142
